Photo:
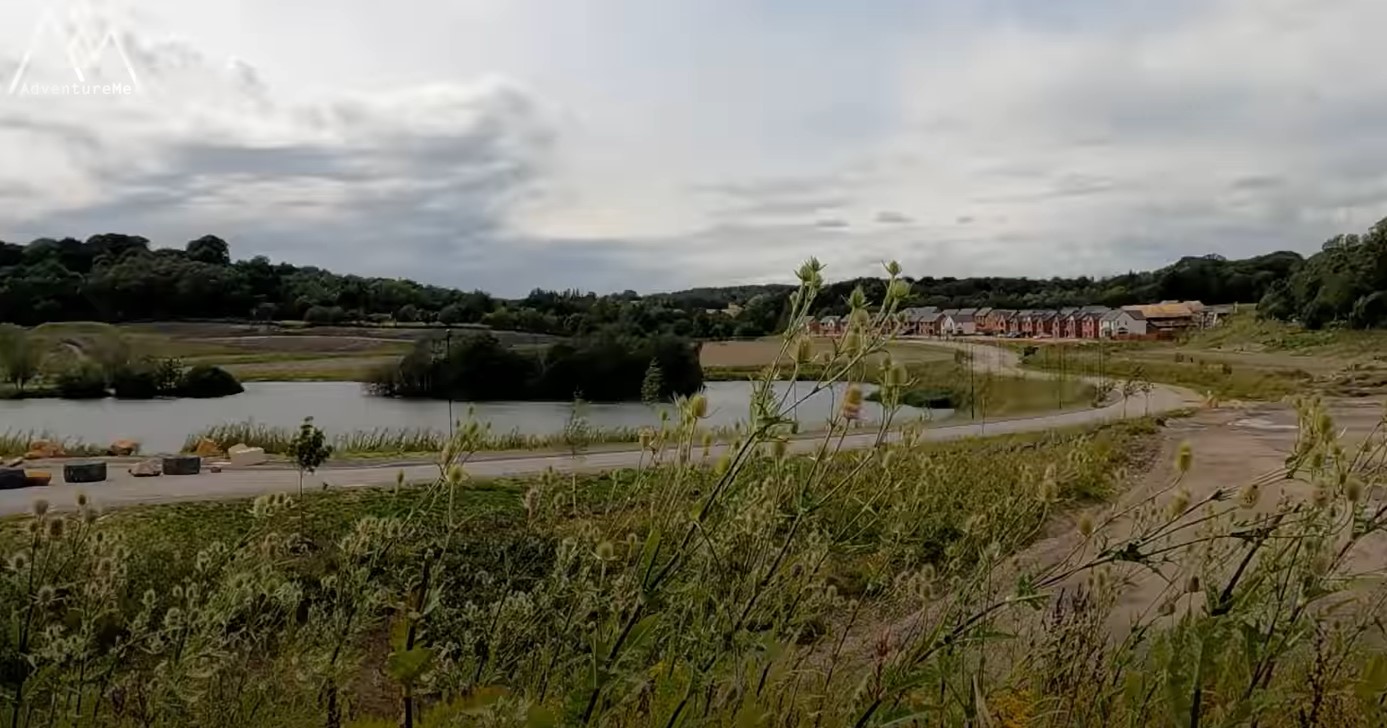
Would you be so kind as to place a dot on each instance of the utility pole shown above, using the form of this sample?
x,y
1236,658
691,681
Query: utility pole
x,y
1059,383
972,390
447,357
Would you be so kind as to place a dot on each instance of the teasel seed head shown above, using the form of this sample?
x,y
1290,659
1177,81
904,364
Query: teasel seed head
x,y
1179,503
698,406
1184,458
605,551
1249,495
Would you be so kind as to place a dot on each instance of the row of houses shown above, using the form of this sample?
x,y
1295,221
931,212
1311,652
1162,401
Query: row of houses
x,y
1157,320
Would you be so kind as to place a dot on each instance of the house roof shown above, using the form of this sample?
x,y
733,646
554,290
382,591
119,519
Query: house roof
x,y
949,311
963,318
1166,310
931,317
914,314
983,311
829,319
968,311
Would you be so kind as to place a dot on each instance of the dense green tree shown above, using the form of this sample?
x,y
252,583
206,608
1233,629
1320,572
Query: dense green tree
x,y
210,249
1345,283
605,368
21,356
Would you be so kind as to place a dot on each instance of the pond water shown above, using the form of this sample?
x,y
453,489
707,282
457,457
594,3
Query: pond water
x,y
163,425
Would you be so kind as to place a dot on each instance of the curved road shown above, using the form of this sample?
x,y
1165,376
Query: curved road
x,y
122,489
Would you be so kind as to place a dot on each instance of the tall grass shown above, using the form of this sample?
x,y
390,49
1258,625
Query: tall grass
x,y
14,443
737,585
388,441
1224,379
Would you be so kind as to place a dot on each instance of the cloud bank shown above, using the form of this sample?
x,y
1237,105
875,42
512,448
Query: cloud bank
x,y
629,148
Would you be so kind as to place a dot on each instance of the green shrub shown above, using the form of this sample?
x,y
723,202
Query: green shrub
x,y
82,381
205,382
136,383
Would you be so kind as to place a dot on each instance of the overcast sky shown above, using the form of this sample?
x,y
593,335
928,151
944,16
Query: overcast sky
x,y
660,144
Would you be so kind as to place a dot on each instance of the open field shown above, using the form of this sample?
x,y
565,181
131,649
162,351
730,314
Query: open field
x,y
278,352
758,353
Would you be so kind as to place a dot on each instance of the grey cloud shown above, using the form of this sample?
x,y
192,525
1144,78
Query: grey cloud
x,y
893,217
787,207
1256,182
831,224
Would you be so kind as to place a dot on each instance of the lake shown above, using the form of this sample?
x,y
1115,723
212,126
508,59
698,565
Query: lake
x,y
163,425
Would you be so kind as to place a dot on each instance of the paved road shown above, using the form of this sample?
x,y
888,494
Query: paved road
x,y
122,489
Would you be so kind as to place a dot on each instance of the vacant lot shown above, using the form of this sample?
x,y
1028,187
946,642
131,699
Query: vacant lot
x,y
764,351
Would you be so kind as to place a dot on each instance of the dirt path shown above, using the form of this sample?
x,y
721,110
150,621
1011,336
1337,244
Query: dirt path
x,y
1231,447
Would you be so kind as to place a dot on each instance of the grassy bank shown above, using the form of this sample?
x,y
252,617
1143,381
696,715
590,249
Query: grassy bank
x,y
1245,332
1119,363
950,384
15,443
418,441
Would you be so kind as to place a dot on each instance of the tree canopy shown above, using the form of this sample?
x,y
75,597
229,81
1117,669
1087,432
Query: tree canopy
x,y
1345,283
115,278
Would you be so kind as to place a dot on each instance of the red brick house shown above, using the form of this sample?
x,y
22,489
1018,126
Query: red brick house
x,y
829,326
1090,318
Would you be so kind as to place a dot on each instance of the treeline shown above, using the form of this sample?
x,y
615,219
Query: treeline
x,y
604,368
1343,284
1211,279
116,278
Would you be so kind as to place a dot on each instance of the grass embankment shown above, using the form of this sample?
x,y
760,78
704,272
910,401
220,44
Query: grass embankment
x,y
950,383
15,443
1169,364
1245,332
405,441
